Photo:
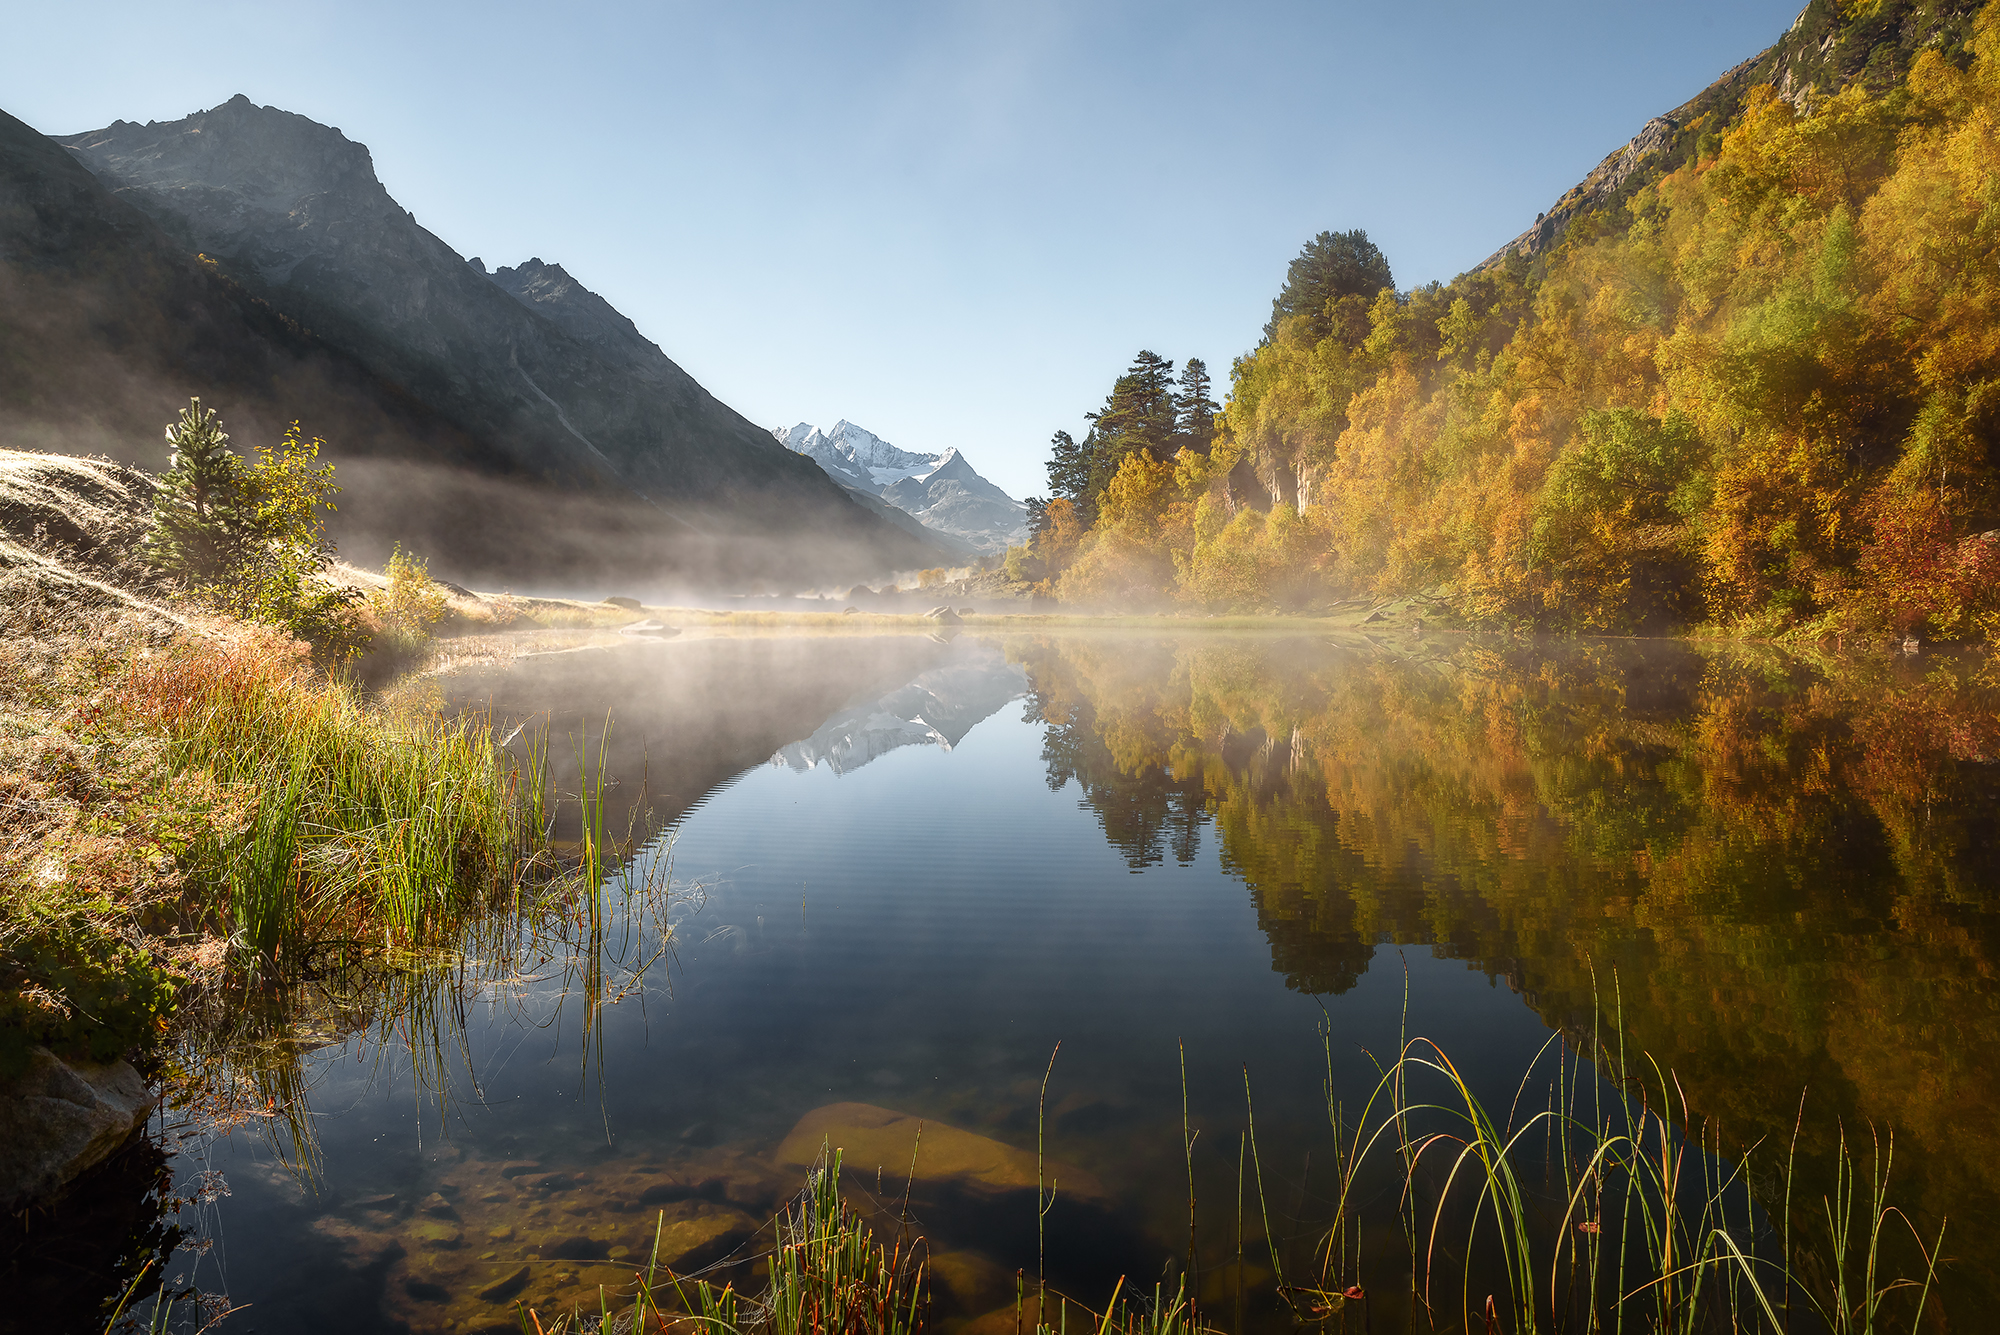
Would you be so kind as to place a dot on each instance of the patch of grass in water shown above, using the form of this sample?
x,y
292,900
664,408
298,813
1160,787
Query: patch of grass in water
x,y
362,827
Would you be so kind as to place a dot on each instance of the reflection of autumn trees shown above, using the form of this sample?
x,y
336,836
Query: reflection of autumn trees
x,y
1788,865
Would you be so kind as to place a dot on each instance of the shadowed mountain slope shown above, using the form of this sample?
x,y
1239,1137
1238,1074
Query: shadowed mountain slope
x,y
512,432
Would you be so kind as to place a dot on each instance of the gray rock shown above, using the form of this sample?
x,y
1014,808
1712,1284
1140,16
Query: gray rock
x,y
944,616
650,629
629,604
61,1118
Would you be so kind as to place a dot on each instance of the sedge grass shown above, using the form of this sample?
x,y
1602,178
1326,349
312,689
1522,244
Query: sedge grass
x,y
1610,1208
362,827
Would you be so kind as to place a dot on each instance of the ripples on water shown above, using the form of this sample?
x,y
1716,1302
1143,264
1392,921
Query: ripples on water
x,y
903,870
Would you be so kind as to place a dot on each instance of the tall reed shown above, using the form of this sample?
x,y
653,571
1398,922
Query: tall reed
x,y
1610,1207
359,825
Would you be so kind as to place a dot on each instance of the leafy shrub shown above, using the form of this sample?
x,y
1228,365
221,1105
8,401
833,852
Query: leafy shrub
x,y
408,606
249,538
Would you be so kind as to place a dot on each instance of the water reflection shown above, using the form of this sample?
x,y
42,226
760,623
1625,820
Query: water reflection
x,y
973,681
890,895
1787,866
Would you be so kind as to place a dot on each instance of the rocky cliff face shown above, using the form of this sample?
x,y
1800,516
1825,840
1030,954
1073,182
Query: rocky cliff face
x,y
553,383
1828,46
549,291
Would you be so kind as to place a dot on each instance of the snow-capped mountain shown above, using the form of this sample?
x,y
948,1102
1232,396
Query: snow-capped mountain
x,y
849,451
942,491
937,709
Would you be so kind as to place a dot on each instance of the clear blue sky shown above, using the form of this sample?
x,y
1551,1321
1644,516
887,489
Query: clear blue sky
x,y
952,223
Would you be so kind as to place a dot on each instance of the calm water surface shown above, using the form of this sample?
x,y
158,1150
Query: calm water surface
x,y
904,870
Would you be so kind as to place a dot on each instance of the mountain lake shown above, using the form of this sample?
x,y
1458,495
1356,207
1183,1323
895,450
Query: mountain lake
x,y
1073,942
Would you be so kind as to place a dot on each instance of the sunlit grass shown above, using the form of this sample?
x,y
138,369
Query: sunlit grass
x,y
360,825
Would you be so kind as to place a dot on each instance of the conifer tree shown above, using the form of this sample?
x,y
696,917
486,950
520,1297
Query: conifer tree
x,y
203,519
1332,265
1139,414
1068,467
1197,409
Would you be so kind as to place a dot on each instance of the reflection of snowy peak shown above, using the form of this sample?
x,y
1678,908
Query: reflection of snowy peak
x,y
941,490
937,709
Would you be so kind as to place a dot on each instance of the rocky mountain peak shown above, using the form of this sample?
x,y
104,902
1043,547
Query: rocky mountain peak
x,y
255,185
942,491
955,467
265,157
553,383
550,291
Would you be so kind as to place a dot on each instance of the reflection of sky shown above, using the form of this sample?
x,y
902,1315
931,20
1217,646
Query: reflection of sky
x,y
916,934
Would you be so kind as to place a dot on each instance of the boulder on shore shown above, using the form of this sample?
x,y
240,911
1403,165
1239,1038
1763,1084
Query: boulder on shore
x,y
59,1118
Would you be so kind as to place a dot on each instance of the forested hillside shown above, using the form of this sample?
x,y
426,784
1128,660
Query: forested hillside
x,y
1756,388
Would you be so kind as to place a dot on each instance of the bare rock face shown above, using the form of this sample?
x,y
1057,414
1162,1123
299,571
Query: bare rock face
x,y
61,1118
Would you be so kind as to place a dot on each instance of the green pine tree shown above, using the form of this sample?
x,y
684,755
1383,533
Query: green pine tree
x,y
1140,413
204,519
1197,410
1332,266
1068,467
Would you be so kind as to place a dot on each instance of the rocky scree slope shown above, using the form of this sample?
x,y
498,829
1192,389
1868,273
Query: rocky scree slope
x,y
1828,46
551,381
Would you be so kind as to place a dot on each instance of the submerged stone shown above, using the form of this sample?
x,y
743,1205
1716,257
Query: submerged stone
x,y
500,1290
426,1292
576,1248
436,1234
873,1139
687,1244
